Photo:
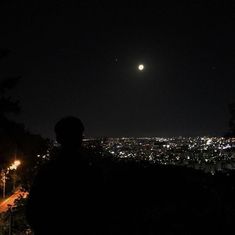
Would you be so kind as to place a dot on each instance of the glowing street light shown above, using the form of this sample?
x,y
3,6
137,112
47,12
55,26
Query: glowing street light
x,y
4,177
15,165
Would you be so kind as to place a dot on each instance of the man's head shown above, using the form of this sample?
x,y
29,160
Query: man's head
x,y
69,132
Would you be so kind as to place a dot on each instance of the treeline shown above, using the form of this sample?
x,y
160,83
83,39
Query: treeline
x,y
16,143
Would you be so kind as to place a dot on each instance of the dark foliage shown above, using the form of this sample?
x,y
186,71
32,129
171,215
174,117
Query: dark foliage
x,y
15,140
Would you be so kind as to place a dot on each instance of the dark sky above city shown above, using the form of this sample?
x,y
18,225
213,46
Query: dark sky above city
x,y
82,59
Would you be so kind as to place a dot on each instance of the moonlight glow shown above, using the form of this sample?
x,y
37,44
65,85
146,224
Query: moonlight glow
x,y
141,67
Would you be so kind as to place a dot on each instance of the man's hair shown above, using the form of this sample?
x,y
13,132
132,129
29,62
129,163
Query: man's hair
x,y
69,128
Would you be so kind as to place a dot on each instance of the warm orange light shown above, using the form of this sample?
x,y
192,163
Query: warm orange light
x,y
15,164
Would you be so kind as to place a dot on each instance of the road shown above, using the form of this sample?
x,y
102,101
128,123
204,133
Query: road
x,y
11,199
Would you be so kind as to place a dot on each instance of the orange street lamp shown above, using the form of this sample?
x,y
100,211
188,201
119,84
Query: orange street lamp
x,y
15,165
3,178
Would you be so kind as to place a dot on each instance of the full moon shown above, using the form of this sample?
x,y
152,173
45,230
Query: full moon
x,y
141,67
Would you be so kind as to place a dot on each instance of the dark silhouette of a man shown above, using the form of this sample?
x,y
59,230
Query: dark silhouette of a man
x,y
65,196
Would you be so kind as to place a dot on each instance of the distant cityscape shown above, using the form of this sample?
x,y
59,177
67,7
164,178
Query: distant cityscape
x,y
210,154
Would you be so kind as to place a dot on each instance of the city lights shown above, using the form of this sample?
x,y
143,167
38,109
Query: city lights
x,y
204,153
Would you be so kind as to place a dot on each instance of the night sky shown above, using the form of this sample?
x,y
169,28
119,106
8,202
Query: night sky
x,y
82,59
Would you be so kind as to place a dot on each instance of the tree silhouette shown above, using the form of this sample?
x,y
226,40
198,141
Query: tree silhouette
x,y
15,140
10,131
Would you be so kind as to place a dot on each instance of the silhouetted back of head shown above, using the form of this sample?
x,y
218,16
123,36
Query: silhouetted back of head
x,y
69,132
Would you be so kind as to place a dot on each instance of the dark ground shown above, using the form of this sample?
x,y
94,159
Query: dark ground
x,y
154,199
141,198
